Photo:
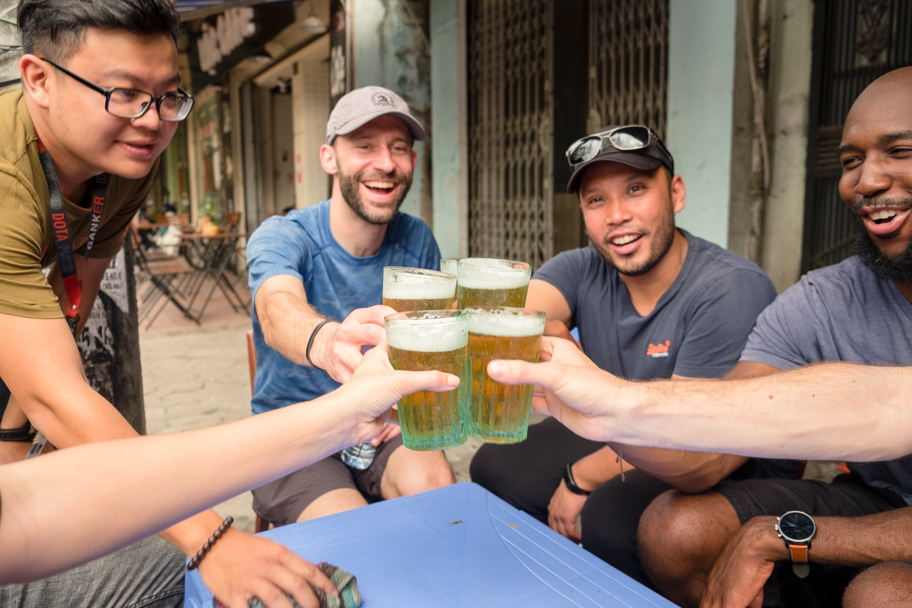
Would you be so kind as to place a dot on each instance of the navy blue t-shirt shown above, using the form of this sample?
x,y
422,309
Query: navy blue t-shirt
x,y
697,329
841,313
336,283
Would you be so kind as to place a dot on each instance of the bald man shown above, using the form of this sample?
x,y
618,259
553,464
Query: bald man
x,y
728,546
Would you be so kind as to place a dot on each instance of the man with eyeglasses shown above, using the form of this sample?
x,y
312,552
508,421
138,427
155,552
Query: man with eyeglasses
x,y
650,301
79,143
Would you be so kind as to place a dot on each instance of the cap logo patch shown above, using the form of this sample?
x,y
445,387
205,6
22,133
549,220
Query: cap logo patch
x,y
381,99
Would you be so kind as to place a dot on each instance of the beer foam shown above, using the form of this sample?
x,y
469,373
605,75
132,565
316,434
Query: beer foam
x,y
415,335
423,285
504,323
494,274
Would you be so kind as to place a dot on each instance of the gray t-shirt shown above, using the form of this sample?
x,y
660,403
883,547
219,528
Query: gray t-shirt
x,y
697,328
840,313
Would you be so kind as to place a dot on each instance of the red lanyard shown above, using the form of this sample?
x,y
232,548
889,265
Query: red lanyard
x,y
61,229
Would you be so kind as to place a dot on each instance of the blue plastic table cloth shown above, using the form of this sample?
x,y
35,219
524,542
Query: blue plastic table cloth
x,y
458,546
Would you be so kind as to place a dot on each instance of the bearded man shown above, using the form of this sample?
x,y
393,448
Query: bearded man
x,y
726,547
651,301
322,264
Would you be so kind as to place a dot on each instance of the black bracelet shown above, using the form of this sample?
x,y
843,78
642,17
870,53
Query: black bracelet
x,y
310,342
196,559
571,482
23,434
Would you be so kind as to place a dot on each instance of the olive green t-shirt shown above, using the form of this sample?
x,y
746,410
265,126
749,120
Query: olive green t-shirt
x,y
26,238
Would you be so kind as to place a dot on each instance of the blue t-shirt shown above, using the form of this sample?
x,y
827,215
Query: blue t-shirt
x,y
840,313
336,283
697,329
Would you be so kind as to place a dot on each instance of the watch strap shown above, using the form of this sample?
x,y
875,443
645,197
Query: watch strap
x,y
570,482
801,570
799,552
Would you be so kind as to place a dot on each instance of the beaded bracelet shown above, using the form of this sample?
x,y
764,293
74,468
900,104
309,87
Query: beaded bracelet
x,y
196,559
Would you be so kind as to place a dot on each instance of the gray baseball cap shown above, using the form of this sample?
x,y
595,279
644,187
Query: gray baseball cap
x,y
359,107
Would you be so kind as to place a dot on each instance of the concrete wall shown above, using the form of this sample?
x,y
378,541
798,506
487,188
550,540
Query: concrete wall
x,y
789,92
310,89
701,57
449,155
9,36
391,48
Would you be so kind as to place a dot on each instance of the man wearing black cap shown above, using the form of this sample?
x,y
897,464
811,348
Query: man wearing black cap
x,y
324,264
650,301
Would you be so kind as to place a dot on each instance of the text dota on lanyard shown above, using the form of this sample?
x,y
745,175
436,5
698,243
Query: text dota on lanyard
x,y
61,230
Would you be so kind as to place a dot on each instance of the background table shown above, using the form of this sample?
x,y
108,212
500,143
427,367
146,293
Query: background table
x,y
458,546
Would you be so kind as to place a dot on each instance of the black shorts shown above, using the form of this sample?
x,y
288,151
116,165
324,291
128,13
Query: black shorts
x,y
847,496
282,501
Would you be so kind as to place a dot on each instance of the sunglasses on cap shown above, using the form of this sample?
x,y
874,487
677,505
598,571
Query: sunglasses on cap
x,y
629,138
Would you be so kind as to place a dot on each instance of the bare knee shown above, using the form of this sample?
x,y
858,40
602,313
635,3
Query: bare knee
x,y
886,584
679,537
409,472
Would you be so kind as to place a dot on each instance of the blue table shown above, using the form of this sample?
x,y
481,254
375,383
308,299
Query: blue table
x,y
458,546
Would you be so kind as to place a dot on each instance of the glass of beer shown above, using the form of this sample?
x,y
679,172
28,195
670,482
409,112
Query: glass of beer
x,y
490,282
432,340
448,265
500,413
408,289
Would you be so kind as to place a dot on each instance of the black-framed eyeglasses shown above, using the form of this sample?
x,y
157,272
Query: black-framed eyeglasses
x,y
130,103
631,137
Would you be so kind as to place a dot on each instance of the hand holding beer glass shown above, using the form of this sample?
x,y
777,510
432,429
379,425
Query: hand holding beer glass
x,y
500,413
406,289
432,340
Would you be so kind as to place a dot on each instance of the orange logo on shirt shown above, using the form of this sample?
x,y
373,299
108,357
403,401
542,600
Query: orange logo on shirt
x,y
658,350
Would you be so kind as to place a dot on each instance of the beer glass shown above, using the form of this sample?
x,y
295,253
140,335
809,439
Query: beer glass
x,y
408,289
448,265
490,282
500,413
432,340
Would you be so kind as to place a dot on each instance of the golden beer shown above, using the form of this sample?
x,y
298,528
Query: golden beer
x,y
408,289
432,340
491,282
500,413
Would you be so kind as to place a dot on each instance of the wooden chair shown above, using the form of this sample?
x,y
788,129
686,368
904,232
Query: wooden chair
x,y
261,524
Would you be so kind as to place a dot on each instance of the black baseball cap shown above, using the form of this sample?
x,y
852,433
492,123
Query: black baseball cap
x,y
646,151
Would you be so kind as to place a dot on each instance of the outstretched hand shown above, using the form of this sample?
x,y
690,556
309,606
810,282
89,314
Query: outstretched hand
x,y
375,387
342,345
576,392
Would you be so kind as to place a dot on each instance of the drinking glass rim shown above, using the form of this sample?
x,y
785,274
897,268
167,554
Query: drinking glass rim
x,y
409,317
507,265
425,272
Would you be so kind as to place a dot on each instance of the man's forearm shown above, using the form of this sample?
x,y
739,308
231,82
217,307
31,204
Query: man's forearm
x,y
687,471
856,542
818,412
288,322
142,494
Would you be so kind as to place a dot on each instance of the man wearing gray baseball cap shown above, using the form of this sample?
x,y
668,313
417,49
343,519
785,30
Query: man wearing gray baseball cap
x,y
316,277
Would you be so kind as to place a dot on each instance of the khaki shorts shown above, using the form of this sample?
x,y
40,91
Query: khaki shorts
x,y
282,501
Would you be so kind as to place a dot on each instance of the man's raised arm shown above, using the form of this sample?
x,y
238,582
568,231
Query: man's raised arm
x,y
830,411
288,322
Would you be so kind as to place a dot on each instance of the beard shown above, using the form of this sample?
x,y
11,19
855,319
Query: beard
x,y
890,268
663,238
349,186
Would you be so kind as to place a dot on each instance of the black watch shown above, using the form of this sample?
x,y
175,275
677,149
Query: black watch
x,y
797,529
571,482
